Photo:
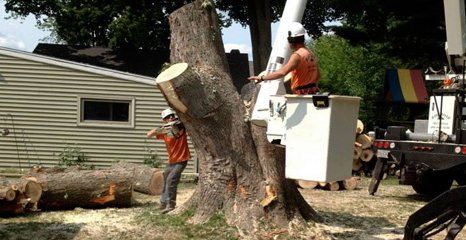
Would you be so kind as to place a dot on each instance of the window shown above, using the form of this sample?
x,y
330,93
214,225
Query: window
x,y
106,112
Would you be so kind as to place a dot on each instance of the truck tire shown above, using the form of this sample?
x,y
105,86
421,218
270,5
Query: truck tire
x,y
432,185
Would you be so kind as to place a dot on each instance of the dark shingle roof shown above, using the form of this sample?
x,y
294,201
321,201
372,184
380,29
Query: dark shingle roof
x,y
147,63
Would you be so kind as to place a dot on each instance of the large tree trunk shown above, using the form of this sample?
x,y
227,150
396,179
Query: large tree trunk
x,y
261,34
240,172
70,188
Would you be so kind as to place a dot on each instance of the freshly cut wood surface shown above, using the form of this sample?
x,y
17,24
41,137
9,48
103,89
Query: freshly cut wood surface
x,y
307,184
7,193
357,152
359,127
367,155
350,183
333,186
364,140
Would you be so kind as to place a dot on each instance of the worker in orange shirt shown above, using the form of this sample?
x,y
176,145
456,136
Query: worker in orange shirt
x,y
174,135
303,66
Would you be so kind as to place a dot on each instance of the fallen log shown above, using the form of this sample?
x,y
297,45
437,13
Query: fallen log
x,y
73,187
146,180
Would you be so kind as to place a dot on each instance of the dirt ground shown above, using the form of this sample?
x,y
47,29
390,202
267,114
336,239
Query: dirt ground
x,y
347,215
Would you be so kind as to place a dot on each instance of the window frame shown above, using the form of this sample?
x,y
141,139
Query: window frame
x,y
99,123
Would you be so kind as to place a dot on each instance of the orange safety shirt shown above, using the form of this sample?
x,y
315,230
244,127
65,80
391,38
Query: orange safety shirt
x,y
177,147
307,71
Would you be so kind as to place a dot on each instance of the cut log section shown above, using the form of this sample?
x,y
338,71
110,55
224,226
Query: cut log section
x,y
307,184
364,140
146,179
19,195
333,186
367,155
7,193
350,183
357,152
359,127
72,187
357,164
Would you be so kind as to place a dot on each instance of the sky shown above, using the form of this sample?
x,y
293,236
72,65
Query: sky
x,y
22,34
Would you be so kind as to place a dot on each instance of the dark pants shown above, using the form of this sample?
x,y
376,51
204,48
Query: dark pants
x,y
171,177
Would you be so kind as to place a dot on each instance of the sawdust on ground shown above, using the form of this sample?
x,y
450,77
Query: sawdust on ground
x,y
347,215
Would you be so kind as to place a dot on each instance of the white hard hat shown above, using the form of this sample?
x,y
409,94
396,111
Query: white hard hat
x,y
167,112
296,29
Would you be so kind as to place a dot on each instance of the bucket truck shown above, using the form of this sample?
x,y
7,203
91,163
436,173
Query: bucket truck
x,y
434,155
316,130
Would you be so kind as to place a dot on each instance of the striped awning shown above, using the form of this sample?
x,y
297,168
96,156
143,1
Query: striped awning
x,y
405,86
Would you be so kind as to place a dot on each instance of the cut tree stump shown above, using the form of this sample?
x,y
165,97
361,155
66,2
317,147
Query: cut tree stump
x,y
146,180
73,187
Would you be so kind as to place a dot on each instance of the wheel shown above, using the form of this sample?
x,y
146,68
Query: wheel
x,y
432,185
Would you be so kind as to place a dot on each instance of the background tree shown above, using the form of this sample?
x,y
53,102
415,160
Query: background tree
x,y
412,31
259,15
352,70
112,23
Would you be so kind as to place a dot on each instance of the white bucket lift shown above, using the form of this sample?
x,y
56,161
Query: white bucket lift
x,y
319,133
293,12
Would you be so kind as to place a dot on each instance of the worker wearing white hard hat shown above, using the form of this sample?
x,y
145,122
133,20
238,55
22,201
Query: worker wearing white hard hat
x,y
173,133
303,65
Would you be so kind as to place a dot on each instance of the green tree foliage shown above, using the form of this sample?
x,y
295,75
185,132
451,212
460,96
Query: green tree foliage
x,y
412,31
113,23
352,70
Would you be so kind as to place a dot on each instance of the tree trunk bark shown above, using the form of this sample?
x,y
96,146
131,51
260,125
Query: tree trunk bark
x,y
239,171
261,34
145,179
70,188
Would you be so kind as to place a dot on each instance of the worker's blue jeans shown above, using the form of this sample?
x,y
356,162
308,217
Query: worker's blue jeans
x,y
171,177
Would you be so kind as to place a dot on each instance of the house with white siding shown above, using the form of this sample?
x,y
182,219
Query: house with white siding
x,y
47,104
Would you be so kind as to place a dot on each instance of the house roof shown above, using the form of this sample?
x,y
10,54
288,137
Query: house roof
x,y
141,62
77,65
136,61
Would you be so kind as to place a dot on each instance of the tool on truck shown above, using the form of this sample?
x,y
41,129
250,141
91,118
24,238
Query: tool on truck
x,y
434,155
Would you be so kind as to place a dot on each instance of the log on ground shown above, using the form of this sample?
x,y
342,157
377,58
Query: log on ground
x,y
73,187
146,180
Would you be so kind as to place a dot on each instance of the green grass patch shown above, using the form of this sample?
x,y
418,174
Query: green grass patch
x,y
178,226
391,180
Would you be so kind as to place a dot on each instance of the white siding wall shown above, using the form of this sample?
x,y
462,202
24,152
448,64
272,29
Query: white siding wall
x,y
42,100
